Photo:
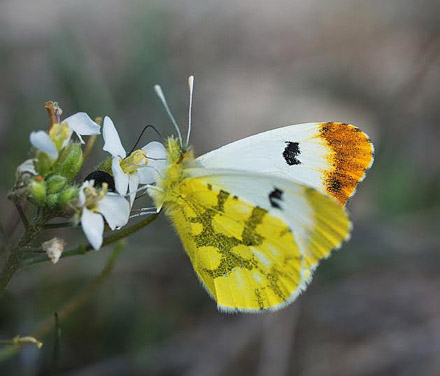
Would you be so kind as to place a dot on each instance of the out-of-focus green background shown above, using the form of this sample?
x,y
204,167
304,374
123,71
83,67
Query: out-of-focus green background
x,y
373,307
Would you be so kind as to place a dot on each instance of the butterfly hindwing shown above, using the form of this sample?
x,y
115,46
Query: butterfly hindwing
x,y
331,157
253,245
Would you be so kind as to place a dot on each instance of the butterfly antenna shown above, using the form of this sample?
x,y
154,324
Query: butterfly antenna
x,y
141,134
159,93
190,87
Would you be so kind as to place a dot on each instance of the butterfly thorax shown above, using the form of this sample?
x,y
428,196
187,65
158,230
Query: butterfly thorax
x,y
178,161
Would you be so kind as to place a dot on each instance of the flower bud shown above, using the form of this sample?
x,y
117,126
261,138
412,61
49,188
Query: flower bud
x,y
55,183
67,195
27,340
52,200
43,163
37,191
70,161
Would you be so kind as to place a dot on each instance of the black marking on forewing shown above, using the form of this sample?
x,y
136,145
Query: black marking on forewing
x,y
335,185
291,152
275,197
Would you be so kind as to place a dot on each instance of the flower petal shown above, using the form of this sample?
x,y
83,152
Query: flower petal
x,y
81,124
155,150
93,227
81,195
115,209
147,175
67,139
121,178
133,183
112,142
41,141
157,162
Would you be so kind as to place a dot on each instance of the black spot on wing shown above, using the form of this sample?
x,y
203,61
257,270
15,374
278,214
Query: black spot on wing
x,y
275,197
291,153
335,185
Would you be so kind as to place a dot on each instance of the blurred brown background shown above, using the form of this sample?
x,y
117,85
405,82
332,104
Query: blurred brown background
x,y
373,307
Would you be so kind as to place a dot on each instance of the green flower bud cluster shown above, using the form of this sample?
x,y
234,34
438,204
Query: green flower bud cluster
x,y
53,192
52,187
47,179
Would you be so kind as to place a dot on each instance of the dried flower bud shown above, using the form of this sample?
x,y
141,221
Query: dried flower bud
x,y
54,248
21,341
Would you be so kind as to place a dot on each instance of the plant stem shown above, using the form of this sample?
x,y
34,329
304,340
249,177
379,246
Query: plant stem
x,y
9,342
4,234
84,294
22,216
85,248
89,147
51,226
76,302
15,254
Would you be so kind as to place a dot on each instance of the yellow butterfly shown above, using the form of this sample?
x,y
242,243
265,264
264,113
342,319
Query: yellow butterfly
x,y
256,216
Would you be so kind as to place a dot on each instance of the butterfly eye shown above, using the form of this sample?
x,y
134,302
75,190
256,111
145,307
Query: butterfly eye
x,y
101,177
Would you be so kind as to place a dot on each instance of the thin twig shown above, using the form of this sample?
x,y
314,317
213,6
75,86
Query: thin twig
x,y
5,244
84,295
89,147
91,142
50,226
16,253
22,215
85,248
3,233
76,302
57,341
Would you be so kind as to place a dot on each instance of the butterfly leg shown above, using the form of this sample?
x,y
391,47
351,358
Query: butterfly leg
x,y
144,211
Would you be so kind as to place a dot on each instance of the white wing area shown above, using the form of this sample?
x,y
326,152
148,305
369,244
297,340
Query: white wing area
x,y
317,221
265,153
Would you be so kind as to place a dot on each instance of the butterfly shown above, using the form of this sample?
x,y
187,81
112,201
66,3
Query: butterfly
x,y
256,216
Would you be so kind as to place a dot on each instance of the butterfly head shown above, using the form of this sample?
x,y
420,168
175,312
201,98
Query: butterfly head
x,y
177,153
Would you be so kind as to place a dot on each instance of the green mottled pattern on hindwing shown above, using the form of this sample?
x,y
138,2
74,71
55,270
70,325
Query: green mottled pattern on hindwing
x,y
225,244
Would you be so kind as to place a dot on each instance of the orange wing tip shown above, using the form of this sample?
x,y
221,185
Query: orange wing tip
x,y
351,155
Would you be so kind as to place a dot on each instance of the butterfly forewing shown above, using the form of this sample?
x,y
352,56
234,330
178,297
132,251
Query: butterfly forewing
x,y
331,157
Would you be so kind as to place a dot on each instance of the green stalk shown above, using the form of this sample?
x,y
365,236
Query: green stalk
x,y
85,248
15,254
74,304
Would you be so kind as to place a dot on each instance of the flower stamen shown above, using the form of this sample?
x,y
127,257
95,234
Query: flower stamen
x,y
134,161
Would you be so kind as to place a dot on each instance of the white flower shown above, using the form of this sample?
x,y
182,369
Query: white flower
x,y
97,205
54,248
59,135
142,166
